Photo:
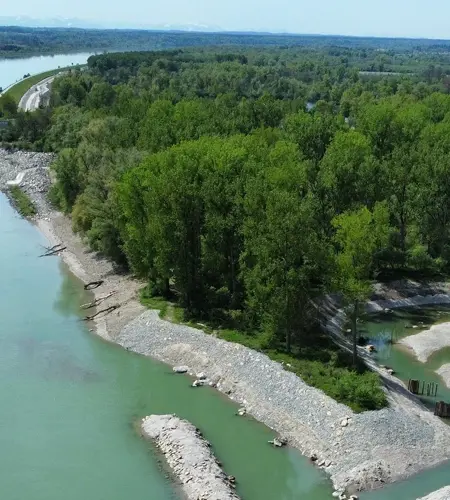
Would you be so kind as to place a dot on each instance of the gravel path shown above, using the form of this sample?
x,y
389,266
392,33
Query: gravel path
x,y
190,457
443,494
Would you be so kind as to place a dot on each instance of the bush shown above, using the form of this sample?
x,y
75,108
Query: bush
x,y
22,202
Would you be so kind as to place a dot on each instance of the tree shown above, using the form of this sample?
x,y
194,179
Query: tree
x,y
8,106
360,234
284,251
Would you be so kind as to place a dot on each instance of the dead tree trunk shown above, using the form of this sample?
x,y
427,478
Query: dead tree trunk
x,y
53,250
93,285
97,301
106,311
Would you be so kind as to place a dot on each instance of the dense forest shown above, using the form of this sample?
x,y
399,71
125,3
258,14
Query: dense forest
x,y
244,184
370,54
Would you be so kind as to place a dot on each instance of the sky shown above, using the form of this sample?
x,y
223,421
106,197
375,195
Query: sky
x,y
404,18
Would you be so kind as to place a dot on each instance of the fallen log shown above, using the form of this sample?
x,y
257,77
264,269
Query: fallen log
x,y
97,301
93,285
54,247
106,311
53,251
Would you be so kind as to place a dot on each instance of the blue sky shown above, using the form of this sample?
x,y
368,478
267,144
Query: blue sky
x,y
415,18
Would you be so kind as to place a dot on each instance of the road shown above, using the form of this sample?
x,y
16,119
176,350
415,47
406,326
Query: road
x,y
32,98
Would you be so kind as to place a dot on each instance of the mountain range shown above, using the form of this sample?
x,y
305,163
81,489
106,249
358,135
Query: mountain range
x,y
64,22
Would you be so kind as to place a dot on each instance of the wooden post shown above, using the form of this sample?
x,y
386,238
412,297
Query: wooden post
x,y
442,409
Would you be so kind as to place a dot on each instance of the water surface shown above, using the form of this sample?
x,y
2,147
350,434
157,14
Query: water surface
x,y
13,70
69,401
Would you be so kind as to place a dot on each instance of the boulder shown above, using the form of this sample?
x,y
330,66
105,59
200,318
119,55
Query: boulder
x,y
278,442
180,369
198,383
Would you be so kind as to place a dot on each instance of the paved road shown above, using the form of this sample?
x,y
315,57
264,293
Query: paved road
x,y
32,98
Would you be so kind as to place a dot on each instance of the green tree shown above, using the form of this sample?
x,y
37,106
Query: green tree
x,y
360,234
8,106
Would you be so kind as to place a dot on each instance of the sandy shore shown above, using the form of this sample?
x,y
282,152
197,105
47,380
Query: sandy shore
x,y
444,373
425,343
442,494
88,266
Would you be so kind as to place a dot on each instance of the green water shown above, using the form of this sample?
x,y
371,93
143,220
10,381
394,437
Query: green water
x,y
69,401
379,329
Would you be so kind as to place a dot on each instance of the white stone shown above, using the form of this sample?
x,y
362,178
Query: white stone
x,y
180,369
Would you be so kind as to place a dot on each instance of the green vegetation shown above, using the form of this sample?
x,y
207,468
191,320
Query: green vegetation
x,y
205,173
22,202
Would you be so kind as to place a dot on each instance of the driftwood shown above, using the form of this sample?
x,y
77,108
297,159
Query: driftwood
x,y
53,250
106,311
93,285
97,301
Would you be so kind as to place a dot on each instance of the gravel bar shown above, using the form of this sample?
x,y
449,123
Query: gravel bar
x,y
425,343
442,494
190,457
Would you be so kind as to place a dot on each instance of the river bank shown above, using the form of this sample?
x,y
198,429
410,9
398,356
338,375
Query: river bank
x,y
359,451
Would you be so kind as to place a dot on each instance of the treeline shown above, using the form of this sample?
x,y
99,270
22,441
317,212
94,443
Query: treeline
x,y
211,178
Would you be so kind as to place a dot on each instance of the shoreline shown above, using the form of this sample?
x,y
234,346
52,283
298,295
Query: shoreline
x,y
368,451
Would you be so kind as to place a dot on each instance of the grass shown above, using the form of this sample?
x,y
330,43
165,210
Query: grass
x,y
22,202
319,362
19,89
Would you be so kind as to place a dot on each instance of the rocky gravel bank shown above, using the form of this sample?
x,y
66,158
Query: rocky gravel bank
x,y
359,451
29,171
190,457
442,494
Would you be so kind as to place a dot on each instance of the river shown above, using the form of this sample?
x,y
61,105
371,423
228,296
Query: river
x,y
70,401
12,70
